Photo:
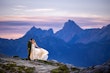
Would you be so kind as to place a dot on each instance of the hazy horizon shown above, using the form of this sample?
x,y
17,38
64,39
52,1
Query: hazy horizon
x,y
28,26
51,14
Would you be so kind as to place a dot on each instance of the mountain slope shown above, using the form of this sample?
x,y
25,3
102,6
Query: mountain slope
x,y
105,33
86,36
92,35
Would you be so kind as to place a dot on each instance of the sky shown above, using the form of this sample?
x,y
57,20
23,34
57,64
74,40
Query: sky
x,y
45,14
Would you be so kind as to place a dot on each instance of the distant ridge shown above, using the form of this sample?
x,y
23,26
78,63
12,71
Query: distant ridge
x,y
71,44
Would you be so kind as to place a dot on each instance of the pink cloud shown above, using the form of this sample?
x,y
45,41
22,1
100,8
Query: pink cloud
x,y
11,35
47,22
84,22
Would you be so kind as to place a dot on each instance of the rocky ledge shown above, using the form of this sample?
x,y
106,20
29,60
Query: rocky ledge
x,y
18,65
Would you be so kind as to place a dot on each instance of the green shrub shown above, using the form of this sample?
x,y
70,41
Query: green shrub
x,y
30,70
61,69
13,68
2,71
74,69
45,62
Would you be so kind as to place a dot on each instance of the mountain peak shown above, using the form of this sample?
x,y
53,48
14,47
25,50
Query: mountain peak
x,y
106,27
34,28
38,33
70,24
71,21
50,30
68,31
